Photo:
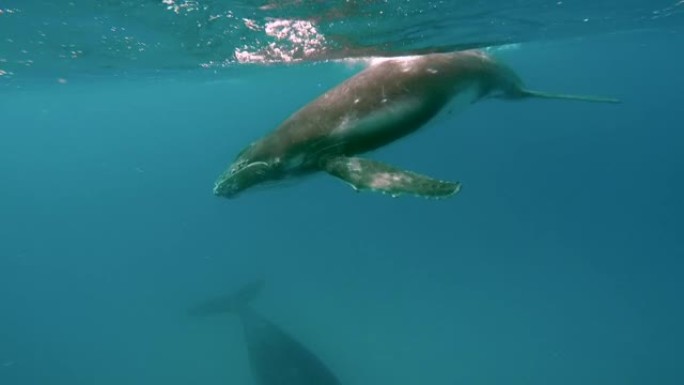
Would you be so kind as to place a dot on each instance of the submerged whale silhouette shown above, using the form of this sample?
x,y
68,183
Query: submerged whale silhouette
x,y
275,357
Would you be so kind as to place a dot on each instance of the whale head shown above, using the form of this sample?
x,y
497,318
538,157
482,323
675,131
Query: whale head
x,y
250,168
236,180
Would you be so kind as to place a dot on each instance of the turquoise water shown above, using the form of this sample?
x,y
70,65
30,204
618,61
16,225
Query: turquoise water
x,y
559,262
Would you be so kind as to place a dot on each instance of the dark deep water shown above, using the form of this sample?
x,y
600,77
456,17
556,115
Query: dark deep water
x,y
560,261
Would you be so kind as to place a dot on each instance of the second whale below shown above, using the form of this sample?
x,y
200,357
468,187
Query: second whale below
x,y
275,357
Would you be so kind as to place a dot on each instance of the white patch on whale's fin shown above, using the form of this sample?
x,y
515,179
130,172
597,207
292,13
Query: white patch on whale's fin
x,y
581,98
366,174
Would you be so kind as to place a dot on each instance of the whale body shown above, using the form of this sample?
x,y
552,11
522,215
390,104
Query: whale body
x,y
383,103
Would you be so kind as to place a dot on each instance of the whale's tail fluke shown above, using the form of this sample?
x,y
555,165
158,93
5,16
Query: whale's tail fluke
x,y
233,303
583,98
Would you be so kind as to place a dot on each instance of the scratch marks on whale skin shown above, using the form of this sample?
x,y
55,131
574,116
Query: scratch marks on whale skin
x,y
385,180
386,118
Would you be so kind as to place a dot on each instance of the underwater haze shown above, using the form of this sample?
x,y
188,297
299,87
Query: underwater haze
x,y
559,262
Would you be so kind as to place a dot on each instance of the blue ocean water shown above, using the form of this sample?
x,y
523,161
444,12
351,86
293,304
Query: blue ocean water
x,y
559,262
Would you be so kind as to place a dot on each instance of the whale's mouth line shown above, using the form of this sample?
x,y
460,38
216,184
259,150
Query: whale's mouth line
x,y
260,163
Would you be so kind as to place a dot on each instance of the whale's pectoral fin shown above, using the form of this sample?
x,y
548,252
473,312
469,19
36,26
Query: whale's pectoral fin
x,y
366,174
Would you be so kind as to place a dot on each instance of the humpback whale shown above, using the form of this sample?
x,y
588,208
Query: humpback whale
x,y
381,104
275,357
